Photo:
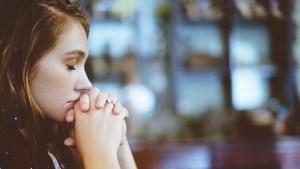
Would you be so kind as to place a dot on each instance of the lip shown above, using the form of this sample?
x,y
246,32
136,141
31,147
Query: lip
x,y
74,100
70,104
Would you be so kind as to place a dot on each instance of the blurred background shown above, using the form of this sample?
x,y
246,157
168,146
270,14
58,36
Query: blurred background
x,y
208,83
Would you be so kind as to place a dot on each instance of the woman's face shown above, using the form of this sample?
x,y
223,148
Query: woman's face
x,y
59,76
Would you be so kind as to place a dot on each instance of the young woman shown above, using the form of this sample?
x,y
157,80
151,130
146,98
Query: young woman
x,y
50,116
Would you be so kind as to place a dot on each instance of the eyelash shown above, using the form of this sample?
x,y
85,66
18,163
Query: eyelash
x,y
71,67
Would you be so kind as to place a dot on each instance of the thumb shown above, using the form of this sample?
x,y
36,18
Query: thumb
x,y
69,117
70,142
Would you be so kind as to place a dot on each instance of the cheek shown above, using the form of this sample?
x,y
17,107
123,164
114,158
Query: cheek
x,y
49,90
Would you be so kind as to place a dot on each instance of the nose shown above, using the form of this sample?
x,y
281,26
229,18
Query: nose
x,y
83,83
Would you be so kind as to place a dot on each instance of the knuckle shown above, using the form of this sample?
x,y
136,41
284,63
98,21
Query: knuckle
x,y
124,110
118,104
104,94
83,97
111,95
95,90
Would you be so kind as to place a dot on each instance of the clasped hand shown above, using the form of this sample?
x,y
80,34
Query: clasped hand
x,y
99,125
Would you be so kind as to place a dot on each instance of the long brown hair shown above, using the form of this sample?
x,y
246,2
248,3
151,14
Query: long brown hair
x,y
29,29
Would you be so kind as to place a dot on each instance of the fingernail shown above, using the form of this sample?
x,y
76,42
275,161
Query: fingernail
x,y
118,110
98,106
102,104
84,106
69,119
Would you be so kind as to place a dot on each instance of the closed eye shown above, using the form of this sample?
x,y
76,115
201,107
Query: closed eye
x,y
71,67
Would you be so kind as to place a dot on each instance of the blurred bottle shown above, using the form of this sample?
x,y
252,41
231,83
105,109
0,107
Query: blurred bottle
x,y
203,9
259,9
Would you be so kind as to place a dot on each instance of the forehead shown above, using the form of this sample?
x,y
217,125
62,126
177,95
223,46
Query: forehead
x,y
73,38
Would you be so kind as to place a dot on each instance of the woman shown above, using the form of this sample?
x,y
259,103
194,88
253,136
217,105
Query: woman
x,y
43,93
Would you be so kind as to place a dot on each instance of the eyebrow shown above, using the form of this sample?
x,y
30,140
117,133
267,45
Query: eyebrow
x,y
81,54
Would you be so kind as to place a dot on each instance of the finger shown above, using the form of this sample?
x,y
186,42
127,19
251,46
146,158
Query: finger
x,y
111,102
94,92
124,127
70,142
108,108
112,98
101,100
124,131
117,109
69,117
124,113
76,110
84,102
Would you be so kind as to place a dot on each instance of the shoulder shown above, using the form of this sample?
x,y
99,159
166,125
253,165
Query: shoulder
x,y
13,153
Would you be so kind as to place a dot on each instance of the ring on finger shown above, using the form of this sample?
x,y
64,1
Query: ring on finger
x,y
110,101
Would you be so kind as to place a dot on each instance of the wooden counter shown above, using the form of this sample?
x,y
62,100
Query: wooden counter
x,y
284,153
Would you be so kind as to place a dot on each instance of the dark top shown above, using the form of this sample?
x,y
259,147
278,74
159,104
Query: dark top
x,y
15,154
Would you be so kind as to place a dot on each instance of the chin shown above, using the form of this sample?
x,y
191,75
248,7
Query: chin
x,y
58,119
61,119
